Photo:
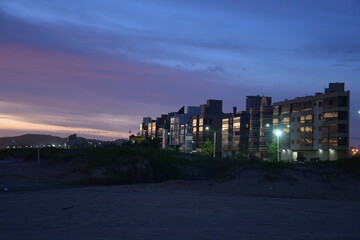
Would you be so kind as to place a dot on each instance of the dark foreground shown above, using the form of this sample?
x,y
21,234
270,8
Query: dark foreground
x,y
173,210
255,204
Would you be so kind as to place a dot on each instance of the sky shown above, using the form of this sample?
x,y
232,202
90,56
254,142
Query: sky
x,y
95,68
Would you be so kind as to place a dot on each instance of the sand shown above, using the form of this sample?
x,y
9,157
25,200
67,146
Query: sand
x,y
33,208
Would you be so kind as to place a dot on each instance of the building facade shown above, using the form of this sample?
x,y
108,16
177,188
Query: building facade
x,y
235,135
314,127
260,126
207,125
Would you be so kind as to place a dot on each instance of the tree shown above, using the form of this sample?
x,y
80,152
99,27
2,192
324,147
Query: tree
x,y
243,151
273,151
207,148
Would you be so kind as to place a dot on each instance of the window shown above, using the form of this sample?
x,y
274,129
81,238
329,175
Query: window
x,y
331,116
308,118
342,128
320,104
302,119
275,121
307,106
286,120
285,109
201,121
306,129
276,110
306,141
343,115
343,101
320,117
296,107
292,119
319,129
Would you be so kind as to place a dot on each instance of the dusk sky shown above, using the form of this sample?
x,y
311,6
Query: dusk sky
x,y
95,68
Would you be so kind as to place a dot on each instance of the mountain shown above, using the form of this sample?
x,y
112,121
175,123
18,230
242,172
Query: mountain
x,y
31,139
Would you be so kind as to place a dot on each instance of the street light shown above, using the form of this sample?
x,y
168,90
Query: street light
x,y
207,128
278,134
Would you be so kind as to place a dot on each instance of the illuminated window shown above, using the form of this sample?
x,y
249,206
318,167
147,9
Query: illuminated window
x,y
275,121
286,120
331,115
201,121
308,118
302,119
276,110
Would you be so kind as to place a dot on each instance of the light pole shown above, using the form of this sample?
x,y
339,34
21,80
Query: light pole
x,y
38,155
278,134
207,128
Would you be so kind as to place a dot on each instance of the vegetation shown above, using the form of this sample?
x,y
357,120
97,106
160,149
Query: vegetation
x,y
207,148
137,164
243,153
273,152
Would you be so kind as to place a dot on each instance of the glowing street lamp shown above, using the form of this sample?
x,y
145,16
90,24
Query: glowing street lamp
x,y
207,128
278,134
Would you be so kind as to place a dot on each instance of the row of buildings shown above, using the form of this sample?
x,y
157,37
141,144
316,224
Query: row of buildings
x,y
311,127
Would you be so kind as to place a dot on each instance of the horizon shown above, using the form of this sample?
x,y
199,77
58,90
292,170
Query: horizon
x,y
97,69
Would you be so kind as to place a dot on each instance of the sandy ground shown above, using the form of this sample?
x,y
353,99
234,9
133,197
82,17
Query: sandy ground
x,y
33,208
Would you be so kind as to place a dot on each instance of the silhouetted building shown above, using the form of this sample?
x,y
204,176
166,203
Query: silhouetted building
x,y
260,132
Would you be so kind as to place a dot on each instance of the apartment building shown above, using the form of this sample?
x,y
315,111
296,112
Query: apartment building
x,y
207,125
314,127
235,134
144,127
260,125
181,125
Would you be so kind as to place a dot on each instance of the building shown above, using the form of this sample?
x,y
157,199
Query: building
x,y
144,127
314,127
207,125
260,125
180,127
235,134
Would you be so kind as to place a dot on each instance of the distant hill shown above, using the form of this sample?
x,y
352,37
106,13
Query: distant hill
x,y
31,139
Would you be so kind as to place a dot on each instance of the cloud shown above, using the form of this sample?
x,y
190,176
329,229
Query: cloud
x,y
215,69
103,66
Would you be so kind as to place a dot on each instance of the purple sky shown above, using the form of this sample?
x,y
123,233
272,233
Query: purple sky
x,y
97,67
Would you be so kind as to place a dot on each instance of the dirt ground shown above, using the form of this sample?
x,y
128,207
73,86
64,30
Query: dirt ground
x,y
36,206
